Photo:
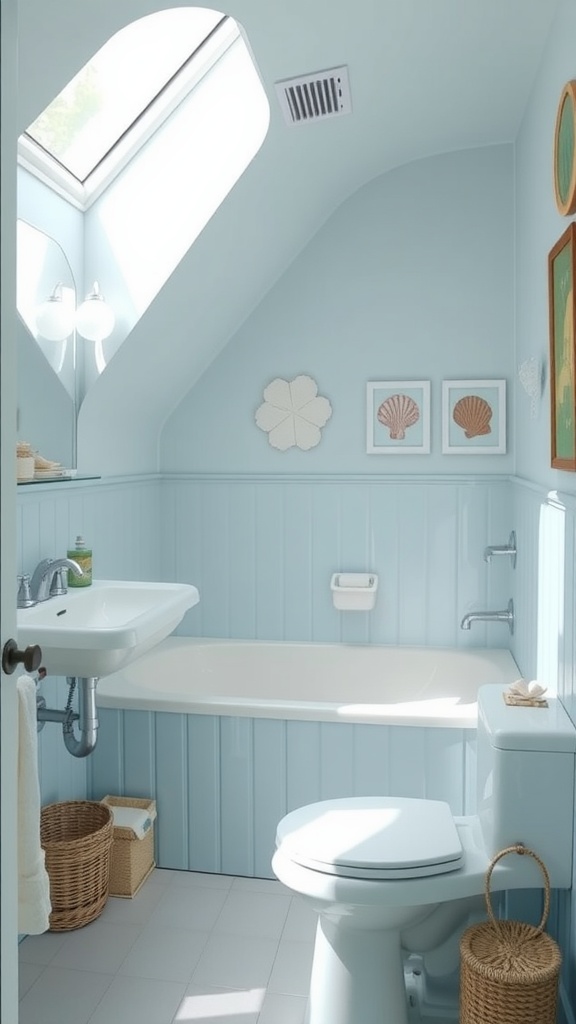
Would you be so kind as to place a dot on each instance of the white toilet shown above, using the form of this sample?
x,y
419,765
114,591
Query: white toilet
x,y
386,873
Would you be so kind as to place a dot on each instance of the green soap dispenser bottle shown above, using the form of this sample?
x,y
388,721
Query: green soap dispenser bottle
x,y
83,556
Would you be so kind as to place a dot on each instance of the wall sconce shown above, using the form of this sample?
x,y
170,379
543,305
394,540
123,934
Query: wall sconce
x,y
95,318
55,317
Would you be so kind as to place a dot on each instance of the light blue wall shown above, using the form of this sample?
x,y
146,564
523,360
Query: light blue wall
x,y
262,551
538,226
544,498
411,278
121,520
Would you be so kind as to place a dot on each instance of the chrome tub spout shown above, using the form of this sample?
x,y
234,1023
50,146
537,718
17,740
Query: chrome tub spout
x,y
504,616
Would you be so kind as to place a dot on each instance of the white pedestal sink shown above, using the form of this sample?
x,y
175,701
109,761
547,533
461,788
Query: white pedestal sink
x,y
93,631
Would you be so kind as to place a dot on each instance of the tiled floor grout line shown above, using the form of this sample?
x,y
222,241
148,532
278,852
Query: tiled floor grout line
x,y
287,994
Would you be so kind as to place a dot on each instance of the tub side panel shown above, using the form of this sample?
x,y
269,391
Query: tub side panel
x,y
336,760
171,789
204,787
139,761
302,763
408,761
372,760
222,783
237,795
269,789
106,763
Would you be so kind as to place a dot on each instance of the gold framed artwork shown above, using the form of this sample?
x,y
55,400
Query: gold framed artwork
x,y
561,296
565,151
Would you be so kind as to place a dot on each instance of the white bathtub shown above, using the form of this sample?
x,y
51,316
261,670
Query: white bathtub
x,y
415,686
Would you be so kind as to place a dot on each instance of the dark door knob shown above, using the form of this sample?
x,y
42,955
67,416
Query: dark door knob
x,y
11,657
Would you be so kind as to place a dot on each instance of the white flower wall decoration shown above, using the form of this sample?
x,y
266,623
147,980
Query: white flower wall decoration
x,y
293,413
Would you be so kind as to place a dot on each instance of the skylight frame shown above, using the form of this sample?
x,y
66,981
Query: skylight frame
x,y
39,162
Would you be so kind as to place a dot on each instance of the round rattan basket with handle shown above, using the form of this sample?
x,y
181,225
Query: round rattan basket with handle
x,y
76,836
509,970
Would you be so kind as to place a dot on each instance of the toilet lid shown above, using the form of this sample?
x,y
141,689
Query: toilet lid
x,y
373,837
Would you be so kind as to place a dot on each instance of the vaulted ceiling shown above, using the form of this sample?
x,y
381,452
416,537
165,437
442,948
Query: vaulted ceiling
x,y
425,78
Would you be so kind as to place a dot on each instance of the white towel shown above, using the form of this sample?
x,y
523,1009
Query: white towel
x,y
33,883
139,821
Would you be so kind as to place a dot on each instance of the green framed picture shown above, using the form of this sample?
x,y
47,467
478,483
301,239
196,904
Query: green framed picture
x,y
565,151
562,291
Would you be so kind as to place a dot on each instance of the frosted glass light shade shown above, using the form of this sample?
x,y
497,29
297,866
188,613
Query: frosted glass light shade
x,y
55,318
95,318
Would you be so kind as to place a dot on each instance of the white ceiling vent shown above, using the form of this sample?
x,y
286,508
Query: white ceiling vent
x,y
316,96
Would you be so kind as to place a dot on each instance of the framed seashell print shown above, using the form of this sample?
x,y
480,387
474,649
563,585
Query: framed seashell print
x,y
398,417
473,417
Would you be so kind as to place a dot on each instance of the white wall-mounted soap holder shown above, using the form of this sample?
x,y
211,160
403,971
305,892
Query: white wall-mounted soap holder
x,y
354,591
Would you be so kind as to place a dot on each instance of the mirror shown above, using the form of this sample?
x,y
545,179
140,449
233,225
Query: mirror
x,y
46,369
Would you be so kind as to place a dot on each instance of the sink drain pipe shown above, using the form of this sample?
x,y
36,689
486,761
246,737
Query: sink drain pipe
x,y
86,716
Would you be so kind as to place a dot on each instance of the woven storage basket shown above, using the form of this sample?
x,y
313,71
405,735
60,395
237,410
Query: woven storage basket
x,y
509,970
76,836
132,859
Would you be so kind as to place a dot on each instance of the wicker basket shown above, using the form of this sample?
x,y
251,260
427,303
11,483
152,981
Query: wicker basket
x,y
132,859
509,970
76,836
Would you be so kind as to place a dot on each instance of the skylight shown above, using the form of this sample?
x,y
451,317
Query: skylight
x,y
147,148
116,101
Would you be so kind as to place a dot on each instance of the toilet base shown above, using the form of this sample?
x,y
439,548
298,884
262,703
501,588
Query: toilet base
x,y
357,976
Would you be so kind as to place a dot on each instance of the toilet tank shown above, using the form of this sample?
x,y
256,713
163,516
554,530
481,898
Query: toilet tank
x,y
525,780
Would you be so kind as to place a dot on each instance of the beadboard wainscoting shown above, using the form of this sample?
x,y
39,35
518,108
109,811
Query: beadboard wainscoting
x,y
121,520
222,784
262,550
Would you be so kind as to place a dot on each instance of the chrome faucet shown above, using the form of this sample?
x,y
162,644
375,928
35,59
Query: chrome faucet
x,y
505,616
502,549
48,580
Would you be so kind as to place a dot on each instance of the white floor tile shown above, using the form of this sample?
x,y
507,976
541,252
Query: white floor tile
x,y
97,947
207,1004
27,975
191,907
282,1009
193,878
301,922
256,914
139,1001
189,947
40,949
235,961
136,910
261,885
165,953
64,997
292,966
